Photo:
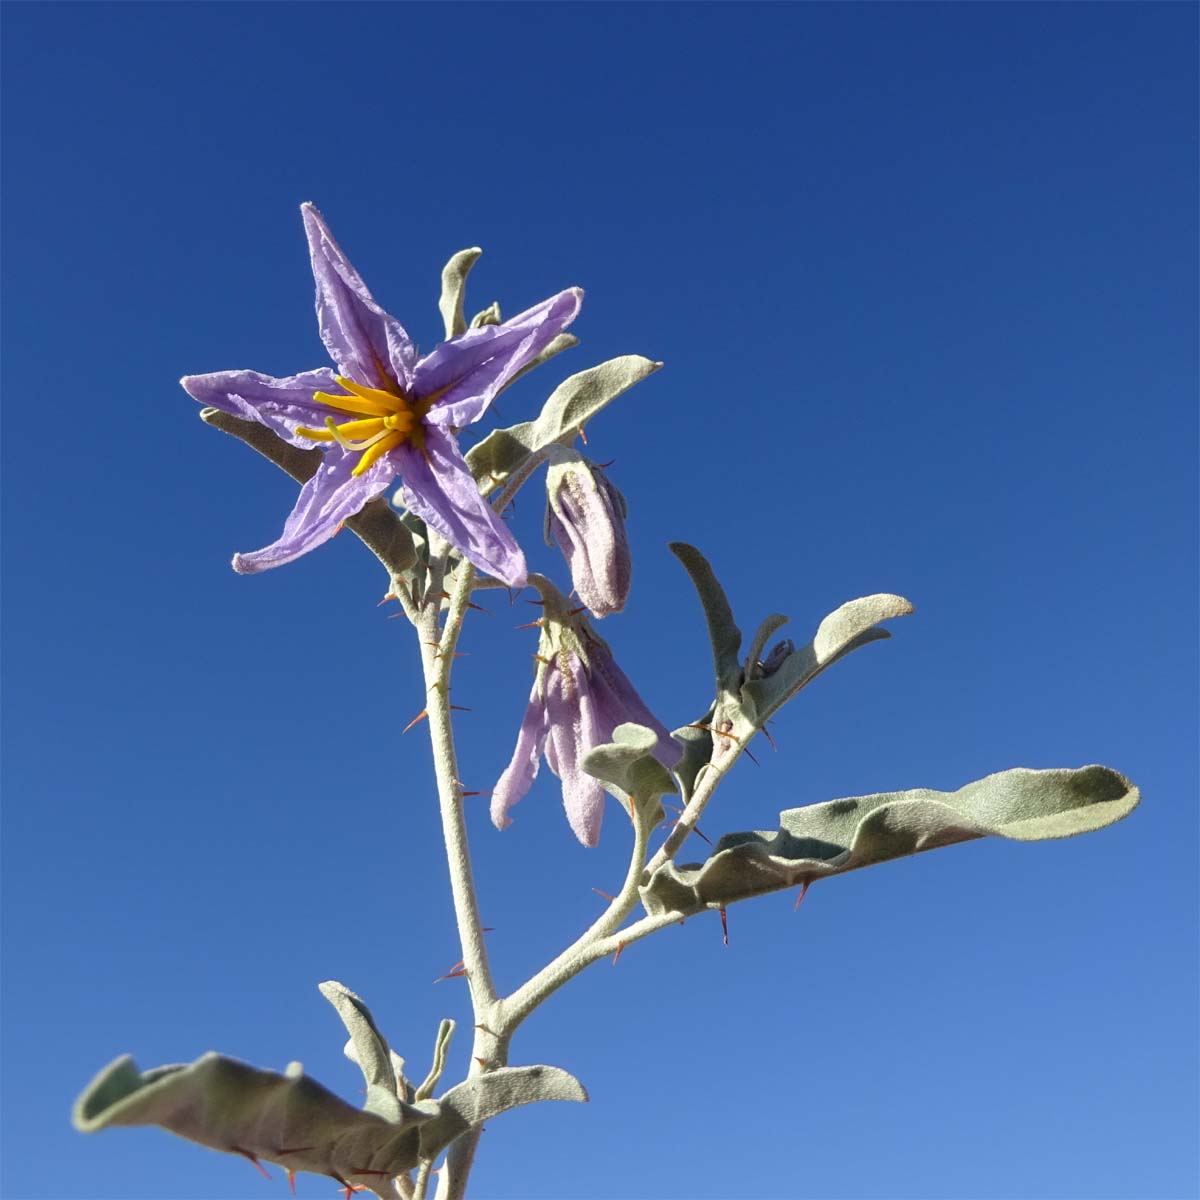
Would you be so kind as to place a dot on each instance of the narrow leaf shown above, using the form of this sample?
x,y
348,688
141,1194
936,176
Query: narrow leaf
x,y
723,632
454,288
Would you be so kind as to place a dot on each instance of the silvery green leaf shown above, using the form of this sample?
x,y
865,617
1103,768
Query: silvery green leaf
x,y
570,406
696,741
488,316
485,1096
290,1119
628,768
564,341
851,626
723,632
379,528
842,835
441,1047
454,287
370,1049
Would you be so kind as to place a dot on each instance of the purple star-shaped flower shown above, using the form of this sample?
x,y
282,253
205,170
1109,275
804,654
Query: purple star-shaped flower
x,y
387,413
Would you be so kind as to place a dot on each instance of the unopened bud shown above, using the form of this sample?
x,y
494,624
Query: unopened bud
x,y
775,658
585,515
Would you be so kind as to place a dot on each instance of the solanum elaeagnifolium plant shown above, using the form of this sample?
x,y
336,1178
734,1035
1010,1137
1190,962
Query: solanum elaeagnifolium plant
x,y
386,415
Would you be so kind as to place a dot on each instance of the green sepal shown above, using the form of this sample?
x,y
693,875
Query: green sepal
x,y
853,625
628,769
454,287
723,633
293,1121
369,1049
570,406
820,840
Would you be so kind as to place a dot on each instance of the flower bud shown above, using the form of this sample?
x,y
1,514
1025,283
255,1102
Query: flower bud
x,y
585,515
779,653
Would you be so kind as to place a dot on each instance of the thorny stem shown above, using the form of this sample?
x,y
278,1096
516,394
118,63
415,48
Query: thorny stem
x,y
437,657
723,746
515,1008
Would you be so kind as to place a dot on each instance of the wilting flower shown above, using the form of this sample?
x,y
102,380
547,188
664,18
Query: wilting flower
x,y
585,515
387,412
579,697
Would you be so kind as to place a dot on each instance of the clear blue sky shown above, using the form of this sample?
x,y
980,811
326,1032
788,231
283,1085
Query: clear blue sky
x,y
924,279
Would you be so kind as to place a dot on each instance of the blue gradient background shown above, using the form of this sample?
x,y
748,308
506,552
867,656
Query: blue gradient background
x,y
924,278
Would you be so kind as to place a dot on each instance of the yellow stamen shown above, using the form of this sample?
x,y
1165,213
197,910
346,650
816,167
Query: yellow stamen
x,y
389,400
354,404
375,452
368,427
317,435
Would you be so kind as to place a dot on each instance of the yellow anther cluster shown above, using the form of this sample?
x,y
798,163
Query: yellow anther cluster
x,y
383,421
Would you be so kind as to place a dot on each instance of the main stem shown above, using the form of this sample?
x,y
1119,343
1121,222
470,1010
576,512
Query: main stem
x,y
438,643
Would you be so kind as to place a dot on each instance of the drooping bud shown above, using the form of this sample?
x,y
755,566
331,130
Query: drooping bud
x,y
585,515
579,697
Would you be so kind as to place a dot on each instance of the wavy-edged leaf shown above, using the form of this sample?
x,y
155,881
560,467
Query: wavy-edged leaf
x,y
293,1121
570,406
854,624
454,287
485,1096
723,632
627,766
286,1119
842,835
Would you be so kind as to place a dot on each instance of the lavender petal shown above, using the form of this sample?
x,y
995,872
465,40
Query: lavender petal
x,y
279,404
369,345
520,773
331,496
475,366
440,489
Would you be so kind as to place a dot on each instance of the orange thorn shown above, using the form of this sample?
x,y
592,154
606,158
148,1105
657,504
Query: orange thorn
x,y
542,659
483,1062
746,752
395,616
617,956
605,466
697,831
389,596
724,926
421,716
803,893
606,896
574,612
479,608
254,1159
291,1180
486,1029
530,625
539,603
459,708
583,435
767,734
465,794
455,972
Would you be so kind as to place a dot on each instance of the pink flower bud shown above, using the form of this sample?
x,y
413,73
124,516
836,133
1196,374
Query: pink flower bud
x,y
585,515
